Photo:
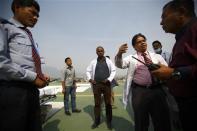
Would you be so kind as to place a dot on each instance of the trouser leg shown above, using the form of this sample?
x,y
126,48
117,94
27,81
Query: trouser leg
x,y
66,99
187,112
34,111
97,102
159,111
73,98
19,107
107,98
140,108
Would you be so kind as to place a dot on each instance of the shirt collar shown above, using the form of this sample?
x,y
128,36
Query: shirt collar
x,y
179,34
4,21
16,23
69,67
140,53
103,59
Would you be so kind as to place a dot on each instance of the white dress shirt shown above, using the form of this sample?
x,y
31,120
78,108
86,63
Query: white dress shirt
x,y
131,64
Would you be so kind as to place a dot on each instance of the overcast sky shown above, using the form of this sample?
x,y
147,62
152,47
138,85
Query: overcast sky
x,y
76,27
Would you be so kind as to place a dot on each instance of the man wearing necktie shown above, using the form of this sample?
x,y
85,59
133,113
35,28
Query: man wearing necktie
x,y
20,71
141,90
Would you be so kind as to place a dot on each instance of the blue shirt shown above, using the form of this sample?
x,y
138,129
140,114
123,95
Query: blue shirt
x,y
16,62
166,56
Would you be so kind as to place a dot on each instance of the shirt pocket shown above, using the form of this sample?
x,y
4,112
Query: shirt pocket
x,y
20,45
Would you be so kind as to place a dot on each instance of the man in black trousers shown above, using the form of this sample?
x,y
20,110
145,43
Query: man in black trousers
x,y
20,70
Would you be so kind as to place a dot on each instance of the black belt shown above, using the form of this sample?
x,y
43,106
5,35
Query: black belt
x,y
155,86
16,83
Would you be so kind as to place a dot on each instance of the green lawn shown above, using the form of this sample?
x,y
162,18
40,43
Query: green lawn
x,y
83,121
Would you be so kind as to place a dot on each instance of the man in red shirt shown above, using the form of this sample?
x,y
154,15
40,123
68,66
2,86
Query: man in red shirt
x,y
179,18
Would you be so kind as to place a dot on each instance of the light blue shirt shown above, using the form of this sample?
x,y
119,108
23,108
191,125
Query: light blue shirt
x,y
16,62
166,56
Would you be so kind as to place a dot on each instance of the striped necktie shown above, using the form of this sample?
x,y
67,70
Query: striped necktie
x,y
146,59
148,62
35,56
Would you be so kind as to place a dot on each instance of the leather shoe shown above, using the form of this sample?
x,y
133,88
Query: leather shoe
x,y
68,113
76,111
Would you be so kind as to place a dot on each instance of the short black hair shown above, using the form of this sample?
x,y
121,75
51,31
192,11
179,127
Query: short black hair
x,y
156,41
25,3
99,47
135,38
67,59
177,5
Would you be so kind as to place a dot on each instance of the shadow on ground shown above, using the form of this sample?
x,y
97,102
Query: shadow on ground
x,y
121,124
52,126
90,110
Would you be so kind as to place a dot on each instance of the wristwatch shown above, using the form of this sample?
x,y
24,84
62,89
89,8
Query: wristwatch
x,y
176,74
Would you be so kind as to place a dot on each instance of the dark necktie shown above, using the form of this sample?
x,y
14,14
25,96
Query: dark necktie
x,y
35,56
146,59
148,62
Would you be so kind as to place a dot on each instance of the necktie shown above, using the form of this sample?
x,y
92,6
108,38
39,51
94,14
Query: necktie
x,y
148,62
146,59
35,56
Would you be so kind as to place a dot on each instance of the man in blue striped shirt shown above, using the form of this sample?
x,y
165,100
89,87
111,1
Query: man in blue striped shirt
x,y
19,79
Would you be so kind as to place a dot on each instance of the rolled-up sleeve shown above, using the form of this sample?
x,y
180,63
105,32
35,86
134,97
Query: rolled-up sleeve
x,y
122,63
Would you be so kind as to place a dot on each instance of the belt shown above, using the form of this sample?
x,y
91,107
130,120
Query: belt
x,y
16,83
155,86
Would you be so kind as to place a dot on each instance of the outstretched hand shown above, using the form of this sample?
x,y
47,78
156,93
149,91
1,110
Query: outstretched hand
x,y
123,49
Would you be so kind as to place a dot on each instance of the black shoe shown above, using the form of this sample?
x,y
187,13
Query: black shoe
x,y
76,111
95,125
109,126
68,113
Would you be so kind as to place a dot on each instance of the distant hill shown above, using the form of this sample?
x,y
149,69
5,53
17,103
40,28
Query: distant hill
x,y
55,73
51,71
